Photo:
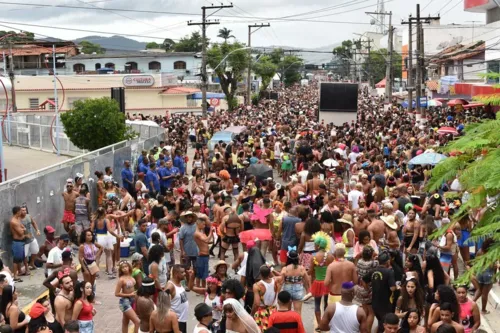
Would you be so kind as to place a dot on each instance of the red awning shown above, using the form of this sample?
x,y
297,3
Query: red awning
x,y
381,84
473,105
454,102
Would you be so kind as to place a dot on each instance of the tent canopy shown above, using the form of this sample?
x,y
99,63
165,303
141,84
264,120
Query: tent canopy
x,y
381,84
197,95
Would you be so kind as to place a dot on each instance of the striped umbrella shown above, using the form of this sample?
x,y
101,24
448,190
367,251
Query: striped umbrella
x,y
447,130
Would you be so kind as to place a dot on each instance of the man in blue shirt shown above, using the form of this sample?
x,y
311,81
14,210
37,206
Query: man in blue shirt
x,y
168,174
179,162
142,244
128,177
144,166
189,249
152,180
140,160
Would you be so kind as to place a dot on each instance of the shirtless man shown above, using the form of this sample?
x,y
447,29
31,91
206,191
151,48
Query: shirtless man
x,y
338,272
391,233
361,222
202,241
17,230
64,300
69,206
230,228
446,315
312,186
376,227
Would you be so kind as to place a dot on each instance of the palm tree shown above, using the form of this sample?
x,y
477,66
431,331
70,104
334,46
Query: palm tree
x,y
225,34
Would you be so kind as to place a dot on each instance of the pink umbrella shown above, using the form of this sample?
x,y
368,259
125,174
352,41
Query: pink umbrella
x,y
447,130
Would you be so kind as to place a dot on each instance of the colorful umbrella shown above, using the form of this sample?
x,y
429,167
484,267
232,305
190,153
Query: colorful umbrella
x,y
454,102
435,102
427,159
447,130
330,163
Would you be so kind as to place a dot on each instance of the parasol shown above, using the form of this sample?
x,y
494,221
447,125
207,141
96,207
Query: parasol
x,y
457,101
330,163
447,130
260,171
434,102
427,159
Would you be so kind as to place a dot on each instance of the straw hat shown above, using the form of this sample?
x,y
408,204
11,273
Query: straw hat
x,y
185,214
390,221
221,262
347,219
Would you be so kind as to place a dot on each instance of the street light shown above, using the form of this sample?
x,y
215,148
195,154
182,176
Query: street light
x,y
224,59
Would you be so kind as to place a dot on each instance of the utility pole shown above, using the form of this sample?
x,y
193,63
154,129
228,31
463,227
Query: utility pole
x,y
249,74
409,68
56,107
204,77
388,68
12,79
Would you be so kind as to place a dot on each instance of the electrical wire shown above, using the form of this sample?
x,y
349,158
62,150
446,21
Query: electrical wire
x,y
446,4
430,1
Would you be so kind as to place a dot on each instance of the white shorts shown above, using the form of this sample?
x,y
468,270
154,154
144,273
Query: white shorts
x,y
31,248
104,241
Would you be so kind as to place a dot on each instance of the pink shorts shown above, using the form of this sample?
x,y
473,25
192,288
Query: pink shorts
x,y
68,217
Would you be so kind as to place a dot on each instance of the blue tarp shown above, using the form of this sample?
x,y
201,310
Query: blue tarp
x,y
209,95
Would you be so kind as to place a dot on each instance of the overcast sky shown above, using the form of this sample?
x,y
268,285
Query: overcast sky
x,y
315,32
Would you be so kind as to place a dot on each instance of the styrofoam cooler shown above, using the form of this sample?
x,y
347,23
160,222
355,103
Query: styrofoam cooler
x,y
125,248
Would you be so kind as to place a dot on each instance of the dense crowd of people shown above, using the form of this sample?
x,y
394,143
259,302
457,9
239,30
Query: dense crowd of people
x,y
345,221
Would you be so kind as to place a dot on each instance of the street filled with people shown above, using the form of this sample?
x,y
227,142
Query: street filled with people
x,y
263,211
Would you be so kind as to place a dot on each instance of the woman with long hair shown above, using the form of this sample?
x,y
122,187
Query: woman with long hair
x,y
410,322
470,318
125,290
444,294
483,282
89,253
307,247
163,319
145,305
319,264
102,228
434,276
412,297
295,278
413,268
158,267
52,323
11,312
237,319
101,193
83,311
411,232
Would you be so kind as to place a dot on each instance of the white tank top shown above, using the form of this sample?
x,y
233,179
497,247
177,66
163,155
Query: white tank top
x,y
216,314
200,328
345,319
269,297
243,266
180,304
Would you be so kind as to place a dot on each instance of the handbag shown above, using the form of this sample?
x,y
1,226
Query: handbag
x,y
93,268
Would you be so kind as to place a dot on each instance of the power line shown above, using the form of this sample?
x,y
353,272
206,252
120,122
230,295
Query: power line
x,y
446,4
427,4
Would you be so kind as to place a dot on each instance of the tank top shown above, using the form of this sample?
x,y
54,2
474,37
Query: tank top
x,y
102,231
309,247
466,316
345,319
216,314
269,297
162,272
180,304
81,212
349,250
20,319
89,251
200,328
86,312
243,265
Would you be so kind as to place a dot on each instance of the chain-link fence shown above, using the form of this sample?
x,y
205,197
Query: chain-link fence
x,y
41,133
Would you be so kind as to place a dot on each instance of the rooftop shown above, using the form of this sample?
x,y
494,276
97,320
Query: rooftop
x,y
135,55
460,52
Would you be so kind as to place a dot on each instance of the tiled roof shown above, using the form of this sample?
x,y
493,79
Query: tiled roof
x,y
459,52
179,91
134,55
432,85
27,50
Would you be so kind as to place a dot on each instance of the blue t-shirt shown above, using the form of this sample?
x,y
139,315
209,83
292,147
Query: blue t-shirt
x,y
152,176
289,238
128,175
186,234
179,164
163,172
143,168
141,240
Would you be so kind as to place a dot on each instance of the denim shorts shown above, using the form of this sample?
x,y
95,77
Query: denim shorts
x,y
18,251
296,290
125,304
202,267
486,277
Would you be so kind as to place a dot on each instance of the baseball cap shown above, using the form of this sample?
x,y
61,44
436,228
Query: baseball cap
x,y
64,237
49,230
202,310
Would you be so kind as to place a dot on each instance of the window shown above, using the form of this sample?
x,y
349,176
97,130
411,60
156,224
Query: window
x,y
180,65
78,68
51,107
97,66
154,65
34,103
131,66
72,100
110,65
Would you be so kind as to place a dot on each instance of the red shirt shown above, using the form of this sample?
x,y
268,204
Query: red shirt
x,y
286,322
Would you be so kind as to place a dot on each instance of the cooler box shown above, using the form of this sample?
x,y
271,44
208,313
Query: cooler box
x,y
125,248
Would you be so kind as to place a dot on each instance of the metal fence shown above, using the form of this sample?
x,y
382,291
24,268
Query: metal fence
x,y
41,190
40,132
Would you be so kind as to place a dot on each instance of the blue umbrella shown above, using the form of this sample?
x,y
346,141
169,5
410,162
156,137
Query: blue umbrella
x,y
427,159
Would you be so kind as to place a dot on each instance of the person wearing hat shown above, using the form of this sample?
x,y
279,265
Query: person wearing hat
x,y
188,247
203,313
348,235
391,234
221,271
69,205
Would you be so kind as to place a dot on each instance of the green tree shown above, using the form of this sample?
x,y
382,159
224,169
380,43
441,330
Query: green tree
x,y
95,123
191,43
343,53
153,45
18,36
225,34
288,66
476,163
266,69
376,64
168,45
90,48
229,72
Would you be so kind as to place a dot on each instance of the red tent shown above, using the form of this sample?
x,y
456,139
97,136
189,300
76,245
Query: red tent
x,y
381,84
